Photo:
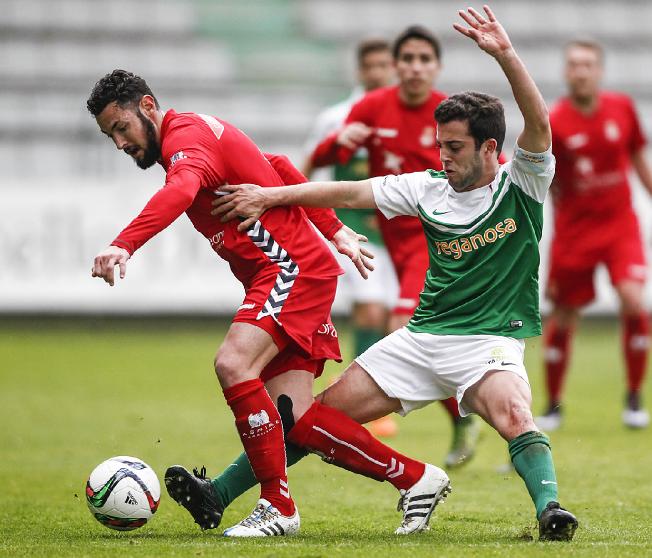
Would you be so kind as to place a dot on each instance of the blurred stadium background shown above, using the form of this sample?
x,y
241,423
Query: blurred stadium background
x,y
268,66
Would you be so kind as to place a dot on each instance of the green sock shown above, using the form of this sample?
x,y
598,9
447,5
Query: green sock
x,y
238,477
365,338
532,459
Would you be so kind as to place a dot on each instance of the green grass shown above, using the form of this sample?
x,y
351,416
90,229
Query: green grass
x,y
73,396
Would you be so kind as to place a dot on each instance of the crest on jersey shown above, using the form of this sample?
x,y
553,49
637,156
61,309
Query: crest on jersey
x,y
577,140
427,138
177,157
611,130
392,161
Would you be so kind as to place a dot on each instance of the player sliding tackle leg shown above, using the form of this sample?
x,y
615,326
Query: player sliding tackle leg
x,y
483,223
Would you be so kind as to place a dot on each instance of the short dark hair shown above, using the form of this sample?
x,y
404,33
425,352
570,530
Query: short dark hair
x,y
484,113
370,45
120,86
586,42
416,32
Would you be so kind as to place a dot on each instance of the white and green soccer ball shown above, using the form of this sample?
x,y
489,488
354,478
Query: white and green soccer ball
x,y
123,493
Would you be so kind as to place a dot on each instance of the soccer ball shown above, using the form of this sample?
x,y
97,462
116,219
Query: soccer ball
x,y
123,493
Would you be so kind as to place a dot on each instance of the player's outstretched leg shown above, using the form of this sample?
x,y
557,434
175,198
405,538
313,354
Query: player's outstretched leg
x,y
342,441
196,494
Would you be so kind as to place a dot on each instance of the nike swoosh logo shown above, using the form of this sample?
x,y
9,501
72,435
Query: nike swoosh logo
x,y
503,363
440,212
548,482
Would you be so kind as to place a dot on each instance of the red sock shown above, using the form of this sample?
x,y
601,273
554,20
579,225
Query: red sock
x,y
556,353
342,441
261,432
636,342
451,407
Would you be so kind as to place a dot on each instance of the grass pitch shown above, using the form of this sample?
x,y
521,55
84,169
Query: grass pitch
x,y
71,397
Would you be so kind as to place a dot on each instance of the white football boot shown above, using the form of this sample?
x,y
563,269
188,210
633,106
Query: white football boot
x,y
265,521
419,501
638,418
550,421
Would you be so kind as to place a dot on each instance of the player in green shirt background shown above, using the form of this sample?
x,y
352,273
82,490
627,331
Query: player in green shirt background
x,y
370,299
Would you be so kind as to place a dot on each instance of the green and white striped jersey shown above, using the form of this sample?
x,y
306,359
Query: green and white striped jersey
x,y
483,245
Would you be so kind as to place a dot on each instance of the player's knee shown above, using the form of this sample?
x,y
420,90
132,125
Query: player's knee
x,y
228,367
564,317
515,417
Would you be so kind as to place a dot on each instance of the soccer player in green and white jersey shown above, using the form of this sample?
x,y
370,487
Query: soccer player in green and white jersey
x,y
483,223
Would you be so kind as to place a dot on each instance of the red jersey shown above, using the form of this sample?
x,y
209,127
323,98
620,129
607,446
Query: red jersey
x,y
404,140
593,153
324,219
199,154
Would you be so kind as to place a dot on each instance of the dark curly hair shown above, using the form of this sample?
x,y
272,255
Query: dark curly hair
x,y
484,113
120,86
416,32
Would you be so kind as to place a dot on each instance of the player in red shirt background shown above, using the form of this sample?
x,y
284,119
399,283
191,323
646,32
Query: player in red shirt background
x,y
281,334
396,126
597,138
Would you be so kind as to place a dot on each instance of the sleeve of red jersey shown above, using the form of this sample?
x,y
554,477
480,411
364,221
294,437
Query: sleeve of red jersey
x,y
328,152
637,139
362,111
193,162
161,211
324,219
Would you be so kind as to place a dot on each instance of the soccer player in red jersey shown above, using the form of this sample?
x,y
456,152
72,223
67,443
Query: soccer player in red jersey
x,y
395,125
597,137
281,335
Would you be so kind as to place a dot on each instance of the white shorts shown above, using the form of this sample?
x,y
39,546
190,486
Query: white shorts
x,y
419,368
381,286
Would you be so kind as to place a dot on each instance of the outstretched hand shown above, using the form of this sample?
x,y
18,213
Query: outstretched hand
x,y
245,201
488,33
347,242
105,262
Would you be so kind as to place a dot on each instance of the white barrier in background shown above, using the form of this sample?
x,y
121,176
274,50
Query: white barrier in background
x,y
50,234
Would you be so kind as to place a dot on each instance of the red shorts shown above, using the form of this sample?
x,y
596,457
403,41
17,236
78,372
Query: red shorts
x,y
300,325
406,244
573,260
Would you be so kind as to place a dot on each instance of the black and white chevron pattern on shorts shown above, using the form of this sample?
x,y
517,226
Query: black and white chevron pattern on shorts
x,y
289,270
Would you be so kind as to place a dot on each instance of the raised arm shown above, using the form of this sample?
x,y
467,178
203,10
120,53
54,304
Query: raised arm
x,y
490,36
250,201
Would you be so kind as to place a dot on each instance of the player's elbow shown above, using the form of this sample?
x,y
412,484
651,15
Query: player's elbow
x,y
541,123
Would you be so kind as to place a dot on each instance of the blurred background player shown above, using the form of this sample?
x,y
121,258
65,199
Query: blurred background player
x,y
597,137
370,298
395,125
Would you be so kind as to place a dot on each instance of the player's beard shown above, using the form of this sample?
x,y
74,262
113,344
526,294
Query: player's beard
x,y
470,177
152,149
